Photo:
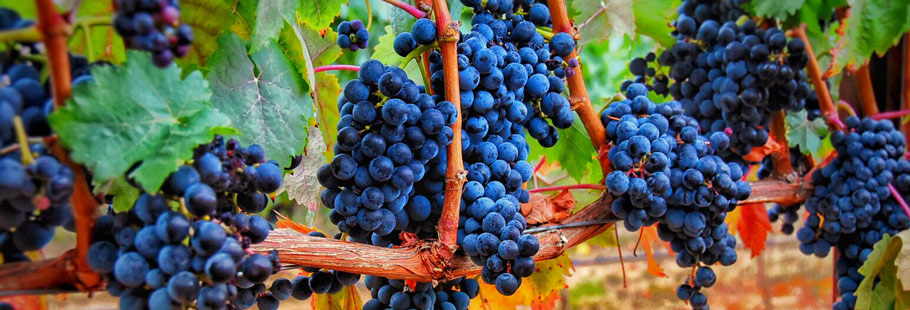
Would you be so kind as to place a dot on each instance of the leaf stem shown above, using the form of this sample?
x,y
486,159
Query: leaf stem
x,y
566,187
846,107
416,53
890,114
417,13
369,14
337,67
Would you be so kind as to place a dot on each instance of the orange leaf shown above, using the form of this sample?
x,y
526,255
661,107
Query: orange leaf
x,y
649,235
539,291
25,302
285,222
760,152
347,299
541,208
753,227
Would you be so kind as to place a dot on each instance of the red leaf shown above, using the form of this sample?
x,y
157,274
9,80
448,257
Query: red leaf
x,y
760,152
753,227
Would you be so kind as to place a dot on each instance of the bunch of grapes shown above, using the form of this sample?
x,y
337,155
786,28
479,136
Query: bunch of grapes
x,y
728,74
395,294
389,134
153,26
852,195
189,245
666,173
353,35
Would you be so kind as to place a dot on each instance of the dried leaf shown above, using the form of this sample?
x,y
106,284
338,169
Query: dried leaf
x,y
753,227
544,209
649,235
903,259
760,152
301,184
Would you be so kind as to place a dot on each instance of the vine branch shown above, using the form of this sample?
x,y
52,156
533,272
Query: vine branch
x,y
826,104
782,166
866,93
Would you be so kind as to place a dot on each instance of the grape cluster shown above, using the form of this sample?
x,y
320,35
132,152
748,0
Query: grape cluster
x,y
852,207
153,26
353,35
666,173
189,245
391,135
34,196
396,295
728,74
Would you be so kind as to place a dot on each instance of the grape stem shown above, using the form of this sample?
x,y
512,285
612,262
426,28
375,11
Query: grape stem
x,y
337,67
416,53
369,14
824,96
567,187
846,107
27,34
417,13
31,140
900,199
547,34
22,137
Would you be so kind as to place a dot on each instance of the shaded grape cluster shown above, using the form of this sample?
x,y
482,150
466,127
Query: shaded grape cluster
x,y
727,72
852,206
666,173
34,196
153,26
353,35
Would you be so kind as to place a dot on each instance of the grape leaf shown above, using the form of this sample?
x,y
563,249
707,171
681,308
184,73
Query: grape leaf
x,y
873,26
778,9
347,299
805,134
101,43
262,95
652,18
601,19
539,288
402,21
270,18
753,227
317,50
573,151
879,267
137,115
208,18
606,239
301,184
319,14
649,236
125,195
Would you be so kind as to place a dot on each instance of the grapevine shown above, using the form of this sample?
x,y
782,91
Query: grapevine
x,y
167,135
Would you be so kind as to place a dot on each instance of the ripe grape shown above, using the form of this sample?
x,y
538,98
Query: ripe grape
x,y
353,35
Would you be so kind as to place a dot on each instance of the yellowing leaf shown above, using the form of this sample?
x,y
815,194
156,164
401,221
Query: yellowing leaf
x,y
903,259
879,267
649,235
753,227
347,299
732,221
301,184
536,291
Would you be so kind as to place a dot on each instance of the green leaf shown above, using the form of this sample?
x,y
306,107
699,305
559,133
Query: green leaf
x,y
319,14
778,9
101,43
652,18
26,9
125,195
137,115
209,19
270,18
573,151
606,239
805,134
402,21
262,96
880,264
873,26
